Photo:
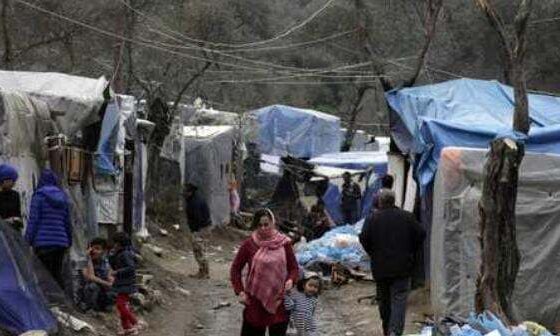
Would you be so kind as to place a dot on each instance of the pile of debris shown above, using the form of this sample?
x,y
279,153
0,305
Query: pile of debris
x,y
338,255
485,324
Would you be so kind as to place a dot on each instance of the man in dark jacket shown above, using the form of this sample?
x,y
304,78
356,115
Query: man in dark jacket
x,y
49,230
198,218
350,199
392,237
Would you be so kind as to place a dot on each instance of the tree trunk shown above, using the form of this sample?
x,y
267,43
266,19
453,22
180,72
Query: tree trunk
x,y
7,57
500,255
351,129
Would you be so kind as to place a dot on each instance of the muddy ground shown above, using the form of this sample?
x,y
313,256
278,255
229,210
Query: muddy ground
x,y
191,307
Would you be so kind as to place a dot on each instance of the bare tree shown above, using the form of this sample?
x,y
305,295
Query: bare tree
x,y
500,253
7,57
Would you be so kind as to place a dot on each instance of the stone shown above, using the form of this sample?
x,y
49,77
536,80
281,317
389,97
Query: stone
x,y
183,291
221,305
158,251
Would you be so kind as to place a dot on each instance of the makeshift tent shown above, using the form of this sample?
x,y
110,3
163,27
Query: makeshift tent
x,y
284,130
465,112
207,164
455,247
78,98
361,142
352,160
376,163
23,306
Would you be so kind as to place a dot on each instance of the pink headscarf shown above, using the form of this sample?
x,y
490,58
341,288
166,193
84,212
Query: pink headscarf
x,y
269,270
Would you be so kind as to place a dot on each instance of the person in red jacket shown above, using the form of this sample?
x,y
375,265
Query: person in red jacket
x,y
272,270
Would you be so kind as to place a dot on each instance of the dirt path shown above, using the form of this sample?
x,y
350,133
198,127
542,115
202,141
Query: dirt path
x,y
194,314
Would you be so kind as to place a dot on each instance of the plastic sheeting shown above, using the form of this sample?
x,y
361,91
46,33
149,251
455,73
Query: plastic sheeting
x,y
339,245
207,164
285,130
108,139
361,141
465,112
19,135
351,160
23,307
455,250
79,97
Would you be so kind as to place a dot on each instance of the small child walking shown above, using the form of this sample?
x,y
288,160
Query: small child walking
x,y
301,304
124,285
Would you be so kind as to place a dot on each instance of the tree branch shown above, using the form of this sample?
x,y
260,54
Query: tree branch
x,y
365,22
521,122
63,37
351,130
497,23
188,84
432,12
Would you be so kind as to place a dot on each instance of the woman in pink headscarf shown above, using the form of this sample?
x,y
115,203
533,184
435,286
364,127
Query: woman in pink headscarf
x,y
272,270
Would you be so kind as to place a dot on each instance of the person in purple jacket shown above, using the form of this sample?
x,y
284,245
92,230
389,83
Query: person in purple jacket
x,y
49,230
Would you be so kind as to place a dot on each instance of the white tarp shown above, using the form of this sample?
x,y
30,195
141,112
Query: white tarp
x,y
207,163
397,169
455,249
78,97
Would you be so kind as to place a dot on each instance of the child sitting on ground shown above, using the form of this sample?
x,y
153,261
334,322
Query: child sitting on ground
x,y
301,305
96,290
124,285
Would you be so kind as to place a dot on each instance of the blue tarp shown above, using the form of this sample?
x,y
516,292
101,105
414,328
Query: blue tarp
x,y
340,244
22,304
285,130
376,161
332,203
466,113
108,140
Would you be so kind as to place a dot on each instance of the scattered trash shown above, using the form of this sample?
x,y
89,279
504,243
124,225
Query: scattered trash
x,y
70,321
222,305
339,245
176,227
350,333
144,279
163,232
183,291
35,333
218,248
158,251
199,326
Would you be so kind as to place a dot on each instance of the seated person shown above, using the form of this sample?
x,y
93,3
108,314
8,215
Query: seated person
x,y
96,291
318,221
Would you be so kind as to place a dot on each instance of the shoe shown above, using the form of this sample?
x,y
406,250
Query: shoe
x,y
128,332
141,325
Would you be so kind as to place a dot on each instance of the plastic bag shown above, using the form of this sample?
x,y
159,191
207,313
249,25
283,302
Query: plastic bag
x,y
488,322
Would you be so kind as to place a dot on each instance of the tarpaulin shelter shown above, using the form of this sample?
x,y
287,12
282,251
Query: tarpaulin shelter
x,y
301,133
207,163
375,163
464,112
76,126
455,249
23,303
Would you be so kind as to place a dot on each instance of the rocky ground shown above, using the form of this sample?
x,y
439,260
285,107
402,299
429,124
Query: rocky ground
x,y
188,306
